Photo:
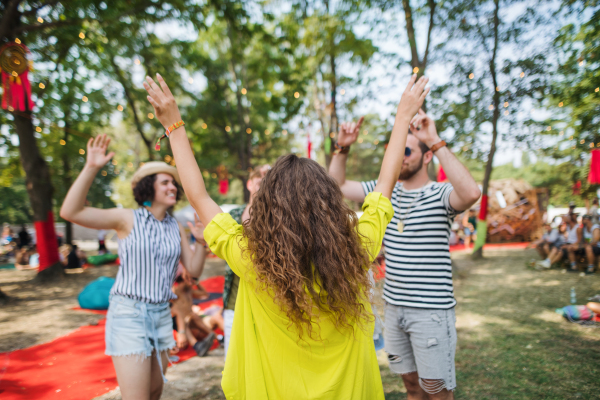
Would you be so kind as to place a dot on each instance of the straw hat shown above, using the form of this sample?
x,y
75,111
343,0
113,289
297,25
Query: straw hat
x,y
151,168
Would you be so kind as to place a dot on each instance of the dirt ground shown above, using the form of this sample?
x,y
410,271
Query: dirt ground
x,y
511,344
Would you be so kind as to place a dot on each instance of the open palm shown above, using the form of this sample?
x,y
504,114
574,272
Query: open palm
x,y
349,132
197,229
96,152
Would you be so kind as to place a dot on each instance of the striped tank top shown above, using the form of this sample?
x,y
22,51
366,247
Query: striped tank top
x,y
149,257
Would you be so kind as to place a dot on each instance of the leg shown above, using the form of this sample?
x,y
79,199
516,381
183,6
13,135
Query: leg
x,y
134,376
413,389
157,380
228,322
589,254
400,354
197,323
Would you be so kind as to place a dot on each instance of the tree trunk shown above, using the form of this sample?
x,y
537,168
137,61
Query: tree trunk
x,y
478,254
333,124
39,189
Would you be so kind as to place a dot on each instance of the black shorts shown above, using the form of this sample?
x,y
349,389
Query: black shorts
x,y
578,252
596,250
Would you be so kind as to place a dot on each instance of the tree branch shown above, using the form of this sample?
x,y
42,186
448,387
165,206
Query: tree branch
x,y
431,15
410,30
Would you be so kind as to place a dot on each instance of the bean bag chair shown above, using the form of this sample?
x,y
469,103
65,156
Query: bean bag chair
x,y
95,295
102,259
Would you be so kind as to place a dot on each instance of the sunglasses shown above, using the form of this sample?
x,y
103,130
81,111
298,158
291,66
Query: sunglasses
x,y
407,151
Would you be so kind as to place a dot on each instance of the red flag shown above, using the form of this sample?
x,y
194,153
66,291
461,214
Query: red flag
x,y
483,208
223,186
441,176
309,146
594,176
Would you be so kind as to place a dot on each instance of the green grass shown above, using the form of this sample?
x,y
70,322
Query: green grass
x,y
511,344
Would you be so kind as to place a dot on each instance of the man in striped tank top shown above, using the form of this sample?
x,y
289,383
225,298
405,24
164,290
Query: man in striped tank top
x,y
420,332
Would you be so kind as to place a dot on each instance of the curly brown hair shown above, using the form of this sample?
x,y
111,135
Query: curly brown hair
x,y
144,189
305,248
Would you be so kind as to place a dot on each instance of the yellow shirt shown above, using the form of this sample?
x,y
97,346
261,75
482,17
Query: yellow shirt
x,y
265,359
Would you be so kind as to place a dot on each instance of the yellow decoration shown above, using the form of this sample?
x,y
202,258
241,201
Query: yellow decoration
x,y
204,126
296,95
120,107
81,151
560,104
42,86
17,41
471,75
415,70
81,35
549,128
150,116
360,140
40,20
84,99
38,129
244,91
227,129
137,61
62,142
248,131
104,173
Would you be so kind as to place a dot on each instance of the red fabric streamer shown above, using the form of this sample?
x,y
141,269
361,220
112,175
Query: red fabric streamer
x,y
17,92
577,188
223,186
484,207
309,147
47,244
441,176
594,176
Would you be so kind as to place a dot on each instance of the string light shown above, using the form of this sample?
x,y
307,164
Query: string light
x,y
571,138
40,20
150,116
248,131
591,144
415,70
284,132
204,126
227,128
581,63
104,173
360,140
582,141
167,158
10,109
505,112
267,132
38,129
191,80
497,88
376,142
81,35
296,95
522,74
244,91
561,133
549,128
130,165
491,107
84,99
342,92
17,41
62,142
137,61
471,75
365,132
81,151
120,107
332,135
42,86
560,104
114,162
213,175
597,90
505,104
205,174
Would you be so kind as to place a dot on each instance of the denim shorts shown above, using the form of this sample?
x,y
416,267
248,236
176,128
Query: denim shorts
x,y
137,328
423,341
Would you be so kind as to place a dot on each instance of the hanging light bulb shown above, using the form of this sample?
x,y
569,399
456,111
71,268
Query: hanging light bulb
x,y
560,104
62,142
204,126
244,91
505,104
84,99
522,74
227,128
137,61
120,107
191,80
284,132
491,107
248,131
81,151
38,129
150,116
471,75
297,95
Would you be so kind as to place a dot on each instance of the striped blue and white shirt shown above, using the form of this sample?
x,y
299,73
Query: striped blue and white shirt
x,y
149,257
418,270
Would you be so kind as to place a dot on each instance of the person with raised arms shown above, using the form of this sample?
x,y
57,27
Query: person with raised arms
x,y
419,326
139,328
303,321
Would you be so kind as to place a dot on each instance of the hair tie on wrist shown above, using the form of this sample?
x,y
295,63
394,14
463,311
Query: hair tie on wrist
x,y
168,132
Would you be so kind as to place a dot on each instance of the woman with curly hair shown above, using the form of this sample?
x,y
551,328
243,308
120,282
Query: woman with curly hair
x,y
303,327
139,328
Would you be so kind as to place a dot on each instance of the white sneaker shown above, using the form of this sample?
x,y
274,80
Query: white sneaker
x,y
543,264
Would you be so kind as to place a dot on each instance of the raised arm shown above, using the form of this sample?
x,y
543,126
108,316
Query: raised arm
x,y
466,192
193,260
410,103
167,112
74,209
348,134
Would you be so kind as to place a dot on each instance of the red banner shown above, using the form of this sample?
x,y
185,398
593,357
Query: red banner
x,y
484,207
47,244
594,176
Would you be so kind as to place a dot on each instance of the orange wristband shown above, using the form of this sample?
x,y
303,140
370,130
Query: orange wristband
x,y
437,146
168,132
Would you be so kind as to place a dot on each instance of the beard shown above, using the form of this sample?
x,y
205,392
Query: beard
x,y
408,172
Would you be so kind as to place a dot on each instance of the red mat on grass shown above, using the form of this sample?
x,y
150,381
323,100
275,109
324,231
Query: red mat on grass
x,y
71,367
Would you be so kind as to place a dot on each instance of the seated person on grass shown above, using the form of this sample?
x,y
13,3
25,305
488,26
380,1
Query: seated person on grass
x,y
591,237
191,328
549,240
568,246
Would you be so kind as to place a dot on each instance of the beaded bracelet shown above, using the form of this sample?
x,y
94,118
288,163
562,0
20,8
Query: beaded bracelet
x,y
168,132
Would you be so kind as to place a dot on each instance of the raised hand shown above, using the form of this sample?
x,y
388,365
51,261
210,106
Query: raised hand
x,y
162,100
349,132
197,229
423,127
413,97
96,152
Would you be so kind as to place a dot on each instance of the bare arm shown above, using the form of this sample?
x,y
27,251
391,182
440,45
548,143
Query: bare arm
x,y
410,103
74,209
351,190
595,237
193,261
168,114
466,192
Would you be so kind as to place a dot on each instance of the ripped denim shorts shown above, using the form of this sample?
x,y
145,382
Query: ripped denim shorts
x,y
423,341
135,328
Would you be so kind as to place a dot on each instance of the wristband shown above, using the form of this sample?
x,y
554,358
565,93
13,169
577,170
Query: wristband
x,y
168,132
340,149
437,146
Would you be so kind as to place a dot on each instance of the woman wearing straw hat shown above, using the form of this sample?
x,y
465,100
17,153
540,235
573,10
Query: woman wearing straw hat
x,y
139,326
